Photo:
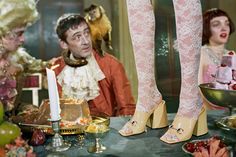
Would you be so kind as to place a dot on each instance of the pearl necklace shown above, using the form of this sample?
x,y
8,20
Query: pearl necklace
x,y
214,56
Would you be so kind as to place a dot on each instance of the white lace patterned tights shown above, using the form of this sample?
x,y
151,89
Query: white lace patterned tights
x,y
188,16
142,29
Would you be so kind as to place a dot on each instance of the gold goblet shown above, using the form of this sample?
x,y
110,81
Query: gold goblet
x,y
97,130
98,147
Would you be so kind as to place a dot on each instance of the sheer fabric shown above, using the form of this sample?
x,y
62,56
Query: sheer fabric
x,y
188,16
142,29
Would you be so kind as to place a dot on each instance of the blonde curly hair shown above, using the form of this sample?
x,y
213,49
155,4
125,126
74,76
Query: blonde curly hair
x,y
16,13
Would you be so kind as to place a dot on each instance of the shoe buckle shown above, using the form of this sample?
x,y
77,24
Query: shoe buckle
x,y
178,130
133,122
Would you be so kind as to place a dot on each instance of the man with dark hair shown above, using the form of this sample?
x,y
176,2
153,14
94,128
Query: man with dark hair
x,y
84,74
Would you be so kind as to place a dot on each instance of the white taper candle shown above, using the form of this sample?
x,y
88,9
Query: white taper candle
x,y
53,95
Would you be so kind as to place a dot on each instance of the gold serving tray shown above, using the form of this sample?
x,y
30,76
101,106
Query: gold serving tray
x,y
47,129
71,130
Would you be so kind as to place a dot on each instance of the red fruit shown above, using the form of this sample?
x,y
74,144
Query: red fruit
x,y
200,144
231,53
223,65
234,87
38,138
190,147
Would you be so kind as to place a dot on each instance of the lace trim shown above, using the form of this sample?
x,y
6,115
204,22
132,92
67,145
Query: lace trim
x,y
81,82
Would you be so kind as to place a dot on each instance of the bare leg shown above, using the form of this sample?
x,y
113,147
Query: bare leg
x,y
188,15
142,29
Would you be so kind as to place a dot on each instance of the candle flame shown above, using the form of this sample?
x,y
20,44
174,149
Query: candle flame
x,y
54,66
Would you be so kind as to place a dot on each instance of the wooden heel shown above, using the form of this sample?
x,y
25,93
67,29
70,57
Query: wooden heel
x,y
159,117
201,124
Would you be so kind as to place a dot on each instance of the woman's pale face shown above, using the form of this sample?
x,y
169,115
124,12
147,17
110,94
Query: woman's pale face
x,y
220,30
13,40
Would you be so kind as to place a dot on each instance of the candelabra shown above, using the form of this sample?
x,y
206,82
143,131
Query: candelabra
x,y
57,144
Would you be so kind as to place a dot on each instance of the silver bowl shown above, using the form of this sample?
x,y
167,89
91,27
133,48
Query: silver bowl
x,y
228,124
220,97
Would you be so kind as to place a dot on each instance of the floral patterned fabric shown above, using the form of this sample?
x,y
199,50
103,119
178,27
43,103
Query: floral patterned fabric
x,y
11,86
7,92
188,16
142,30
189,32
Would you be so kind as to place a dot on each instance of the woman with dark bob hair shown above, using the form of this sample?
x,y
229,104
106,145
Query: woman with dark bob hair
x,y
217,28
207,17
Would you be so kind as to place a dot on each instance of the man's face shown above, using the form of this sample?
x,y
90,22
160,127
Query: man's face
x,y
79,41
14,39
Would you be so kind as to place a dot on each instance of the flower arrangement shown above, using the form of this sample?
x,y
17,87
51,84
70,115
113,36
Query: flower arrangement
x,y
19,147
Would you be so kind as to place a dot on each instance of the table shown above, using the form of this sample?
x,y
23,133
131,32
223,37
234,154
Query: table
x,y
143,145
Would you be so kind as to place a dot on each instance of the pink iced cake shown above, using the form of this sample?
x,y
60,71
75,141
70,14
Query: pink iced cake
x,y
224,74
229,60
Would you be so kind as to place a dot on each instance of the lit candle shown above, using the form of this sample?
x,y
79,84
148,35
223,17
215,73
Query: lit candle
x,y
53,95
